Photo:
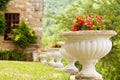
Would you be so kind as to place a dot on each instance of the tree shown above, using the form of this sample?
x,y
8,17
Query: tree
x,y
52,7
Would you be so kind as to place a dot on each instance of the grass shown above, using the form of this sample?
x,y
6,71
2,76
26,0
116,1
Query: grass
x,y
16,70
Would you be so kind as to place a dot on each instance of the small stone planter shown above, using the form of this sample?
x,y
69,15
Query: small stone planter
x,y
88,47
54,54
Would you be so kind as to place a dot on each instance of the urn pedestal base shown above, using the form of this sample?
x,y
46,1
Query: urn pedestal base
x,y
88,78
55,57
71,68
51,62
59,63
88,71
43,58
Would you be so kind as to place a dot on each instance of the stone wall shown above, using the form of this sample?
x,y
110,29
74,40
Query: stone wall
x,y
31,12
6,45
28,11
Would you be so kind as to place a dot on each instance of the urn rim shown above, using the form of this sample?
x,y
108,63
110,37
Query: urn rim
x,y
89,33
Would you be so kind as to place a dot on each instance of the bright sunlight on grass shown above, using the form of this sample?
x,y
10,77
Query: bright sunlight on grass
x,y
15,70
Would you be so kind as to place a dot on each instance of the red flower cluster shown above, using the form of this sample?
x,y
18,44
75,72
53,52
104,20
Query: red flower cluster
x,y
88,22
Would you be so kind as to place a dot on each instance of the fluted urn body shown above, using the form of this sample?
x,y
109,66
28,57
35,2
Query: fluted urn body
x,y
88,47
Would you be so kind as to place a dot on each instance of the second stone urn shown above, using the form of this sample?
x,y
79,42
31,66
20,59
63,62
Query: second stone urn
x,y
55,57
88,46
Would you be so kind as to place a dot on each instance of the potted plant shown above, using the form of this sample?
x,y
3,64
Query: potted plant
x,y
88,42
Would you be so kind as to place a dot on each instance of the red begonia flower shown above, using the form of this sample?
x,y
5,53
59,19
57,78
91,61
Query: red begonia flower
x,y
89,23
74,29
81,22
88,17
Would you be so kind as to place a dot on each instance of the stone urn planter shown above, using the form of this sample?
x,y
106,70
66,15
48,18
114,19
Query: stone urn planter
x,y
88,46
54,54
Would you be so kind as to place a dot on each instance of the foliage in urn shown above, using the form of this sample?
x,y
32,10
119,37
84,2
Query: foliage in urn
x,y
23,36
55,45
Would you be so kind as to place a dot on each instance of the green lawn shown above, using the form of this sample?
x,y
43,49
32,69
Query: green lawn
x,y
15,70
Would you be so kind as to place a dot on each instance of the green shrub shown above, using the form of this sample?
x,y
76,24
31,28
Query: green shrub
x,y
2,24
23,36
12,55
3,4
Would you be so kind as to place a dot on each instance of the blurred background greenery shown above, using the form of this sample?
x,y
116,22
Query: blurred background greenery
x,y
58,15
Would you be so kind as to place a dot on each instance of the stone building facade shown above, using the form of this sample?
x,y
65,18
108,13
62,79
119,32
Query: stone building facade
x,y
31,11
